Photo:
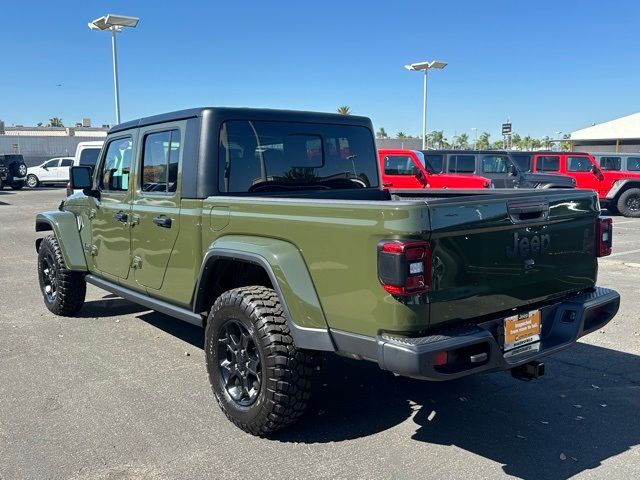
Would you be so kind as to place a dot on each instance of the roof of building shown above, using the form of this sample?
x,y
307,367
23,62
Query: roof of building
x,y
627,127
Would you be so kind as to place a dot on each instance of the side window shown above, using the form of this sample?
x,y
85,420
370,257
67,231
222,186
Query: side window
x,y
51,163
160,162
67,162
434,163
399,165
462,163
495,164
523,161
548,163
116,165
578,164
611,163
633,164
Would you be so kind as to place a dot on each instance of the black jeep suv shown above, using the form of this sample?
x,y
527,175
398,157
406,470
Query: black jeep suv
x,y
13,171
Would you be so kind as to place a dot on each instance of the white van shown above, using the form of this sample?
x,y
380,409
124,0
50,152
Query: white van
x,y
87,154
54,170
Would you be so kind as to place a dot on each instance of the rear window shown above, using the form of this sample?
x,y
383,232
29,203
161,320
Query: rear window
x,y
495,164
611,163
523,161
548,163
462,163
89,156
399,165
578,164
434,163
66,162
256,156
633,164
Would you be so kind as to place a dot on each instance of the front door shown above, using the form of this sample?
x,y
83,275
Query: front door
x,y
110,217
156,204
581,168
400,171
47,172
497,167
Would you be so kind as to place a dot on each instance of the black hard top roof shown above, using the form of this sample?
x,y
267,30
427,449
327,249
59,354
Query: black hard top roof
x,y
234,113
463,152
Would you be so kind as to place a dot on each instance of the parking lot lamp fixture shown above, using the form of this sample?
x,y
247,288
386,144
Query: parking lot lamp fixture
x,y
425,66
115,24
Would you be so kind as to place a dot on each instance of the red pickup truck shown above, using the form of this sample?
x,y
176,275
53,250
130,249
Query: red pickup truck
x,y
619,192
406,169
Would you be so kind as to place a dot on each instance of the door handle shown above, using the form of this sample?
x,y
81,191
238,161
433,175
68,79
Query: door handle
x,y
121,217
162,222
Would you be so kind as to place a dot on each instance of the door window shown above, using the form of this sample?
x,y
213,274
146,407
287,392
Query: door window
x,y
51,163
160,162
67,162
523,161
434,163
495,164
611,163
462,163
116,165
548,163
578,164
633,164
399,165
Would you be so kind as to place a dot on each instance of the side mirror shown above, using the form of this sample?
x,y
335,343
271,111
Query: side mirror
x,y
44,167
597,172
513,171
80,178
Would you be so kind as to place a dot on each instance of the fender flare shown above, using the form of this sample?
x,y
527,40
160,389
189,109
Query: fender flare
x,y
65,227
290,277
620,186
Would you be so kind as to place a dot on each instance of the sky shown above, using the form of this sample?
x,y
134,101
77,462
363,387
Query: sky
x,y
548,66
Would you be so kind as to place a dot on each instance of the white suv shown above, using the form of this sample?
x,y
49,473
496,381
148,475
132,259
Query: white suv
x,y
55,170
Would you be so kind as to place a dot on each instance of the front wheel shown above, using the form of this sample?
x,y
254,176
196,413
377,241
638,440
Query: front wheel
x,y
63,290
32,181
629,203
261,381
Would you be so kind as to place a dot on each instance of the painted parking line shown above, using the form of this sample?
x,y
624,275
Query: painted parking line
x,y
617,254
623,221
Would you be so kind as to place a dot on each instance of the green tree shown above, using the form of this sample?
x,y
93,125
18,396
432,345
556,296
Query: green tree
x,y
344,110
436,138
546,142
565,145
382,133
483,141
498,145
55,122
401,135
461,141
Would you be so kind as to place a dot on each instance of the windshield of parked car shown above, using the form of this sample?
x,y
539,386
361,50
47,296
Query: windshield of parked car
x,y
89,156
257,156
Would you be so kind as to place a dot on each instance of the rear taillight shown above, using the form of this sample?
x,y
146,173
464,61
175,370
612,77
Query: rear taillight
x,y
69,190
404,268
604,237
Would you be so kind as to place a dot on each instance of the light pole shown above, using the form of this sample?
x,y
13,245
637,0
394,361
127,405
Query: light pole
x,y
475,138
559,143
425,66
114,23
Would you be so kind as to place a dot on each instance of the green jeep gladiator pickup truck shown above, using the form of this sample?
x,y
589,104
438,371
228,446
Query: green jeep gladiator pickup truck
x,y
270,229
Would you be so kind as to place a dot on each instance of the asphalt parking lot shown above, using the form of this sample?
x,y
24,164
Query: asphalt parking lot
x,y
122,393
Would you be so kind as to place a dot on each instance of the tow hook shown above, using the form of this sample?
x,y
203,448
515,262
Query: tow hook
x,y
528,371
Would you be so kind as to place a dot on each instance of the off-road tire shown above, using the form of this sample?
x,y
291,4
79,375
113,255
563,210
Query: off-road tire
x,y
1,184
285,370
69,286
629,203
32,181
17,185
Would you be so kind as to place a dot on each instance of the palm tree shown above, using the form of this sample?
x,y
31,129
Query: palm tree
x,y
565,145
55,122
401,135
344,110
546,142
381,133
436,138
461,141
483,141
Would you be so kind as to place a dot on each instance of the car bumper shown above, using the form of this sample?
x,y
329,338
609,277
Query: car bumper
x,y
477,347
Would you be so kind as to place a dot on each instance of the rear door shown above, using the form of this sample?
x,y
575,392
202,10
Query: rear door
x,y
462,163
503,252
399,171
156,203
110,216
63,174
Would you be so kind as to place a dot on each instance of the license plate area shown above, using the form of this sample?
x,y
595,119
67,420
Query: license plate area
x,y
522,329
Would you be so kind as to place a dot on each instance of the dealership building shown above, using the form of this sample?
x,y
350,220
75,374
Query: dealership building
x,y
38,144
619,135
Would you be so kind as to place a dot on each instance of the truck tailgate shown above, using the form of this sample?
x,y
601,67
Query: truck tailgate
x,y
493,255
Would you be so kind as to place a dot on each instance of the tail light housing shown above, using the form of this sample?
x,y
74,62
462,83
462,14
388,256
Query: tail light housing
x,y
404,267
604,237
69,190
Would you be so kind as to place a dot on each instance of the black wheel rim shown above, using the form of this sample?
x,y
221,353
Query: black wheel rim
x,y
239,363
48,278
633,203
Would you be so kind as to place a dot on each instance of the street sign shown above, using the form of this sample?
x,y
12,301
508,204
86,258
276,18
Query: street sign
x,y
506,129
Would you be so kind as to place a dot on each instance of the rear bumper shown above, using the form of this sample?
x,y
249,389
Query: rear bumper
x,y
477,347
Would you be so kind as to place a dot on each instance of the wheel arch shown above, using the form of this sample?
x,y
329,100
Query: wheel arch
x,y
65,227
620,187
273,263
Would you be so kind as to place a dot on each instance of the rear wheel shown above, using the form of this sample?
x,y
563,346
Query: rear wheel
x,y
63,290
629,203
32,181
261,381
